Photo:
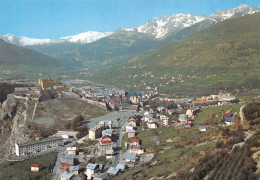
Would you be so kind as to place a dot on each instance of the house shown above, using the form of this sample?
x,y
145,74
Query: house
x,y
187,124
129,127
109,153
134,97
71,151
229,120
130,157
106,139
130,133
120,166
35,167
132,121
189,112
112,171
183,118
66,162
74,170
202,128
152,125
91,169
166,121
227,115
134,146
66,176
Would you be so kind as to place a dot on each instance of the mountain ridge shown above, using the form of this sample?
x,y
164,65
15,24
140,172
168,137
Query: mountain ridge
x,y
222,57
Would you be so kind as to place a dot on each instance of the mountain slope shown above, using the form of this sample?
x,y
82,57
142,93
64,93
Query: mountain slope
x,y
222,57
14,55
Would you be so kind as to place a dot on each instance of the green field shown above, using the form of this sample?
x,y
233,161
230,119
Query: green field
x,y
21,170
215,114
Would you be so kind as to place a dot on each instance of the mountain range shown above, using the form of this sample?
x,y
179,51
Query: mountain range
x,y
96,50
224,56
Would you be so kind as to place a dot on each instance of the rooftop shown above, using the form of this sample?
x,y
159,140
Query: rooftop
x,y
130,156
71,148
39,141
112,170
91,166
74,168
66,175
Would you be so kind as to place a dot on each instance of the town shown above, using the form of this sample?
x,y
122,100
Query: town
x,y
112,146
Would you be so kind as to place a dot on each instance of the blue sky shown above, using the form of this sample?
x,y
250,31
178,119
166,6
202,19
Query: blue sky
x,y
58,18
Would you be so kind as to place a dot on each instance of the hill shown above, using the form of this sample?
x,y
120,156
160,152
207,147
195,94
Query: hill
x,y
223,57
18,63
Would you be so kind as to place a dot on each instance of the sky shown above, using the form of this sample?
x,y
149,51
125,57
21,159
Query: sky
x,y
58,18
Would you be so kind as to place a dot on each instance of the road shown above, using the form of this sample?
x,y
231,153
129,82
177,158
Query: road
x,y
241,114
120,124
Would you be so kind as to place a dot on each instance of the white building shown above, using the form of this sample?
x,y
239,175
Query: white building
x,y
166,121
30,147
91,169
183,118
71,150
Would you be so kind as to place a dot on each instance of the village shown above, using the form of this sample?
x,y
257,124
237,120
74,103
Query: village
x,y
111,145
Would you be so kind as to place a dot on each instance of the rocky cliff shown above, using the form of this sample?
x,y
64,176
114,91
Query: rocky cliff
x,y
13,127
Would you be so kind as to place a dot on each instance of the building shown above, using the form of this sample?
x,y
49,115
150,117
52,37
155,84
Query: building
x,y
152,125
71,151
48,84
202,128
66,162
183,118
91,169
96,132
132,121
189,112
35,167
129,127
229,120
134,146
130,133
130,157
112,171
187,124
74,170
134,97
30,147
109,153
66,176
166,121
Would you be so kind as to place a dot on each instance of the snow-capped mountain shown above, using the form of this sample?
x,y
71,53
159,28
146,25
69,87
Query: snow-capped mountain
x,y
86,37
234,12
24,41
162,26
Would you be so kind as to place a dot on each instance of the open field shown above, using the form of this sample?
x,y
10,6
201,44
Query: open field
x,y
214,114
57,112
21,170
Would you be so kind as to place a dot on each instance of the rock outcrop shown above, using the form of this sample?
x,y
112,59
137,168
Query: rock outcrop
x,y
13,127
